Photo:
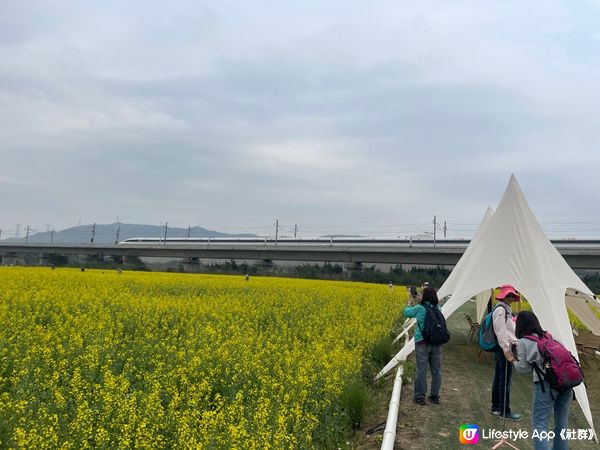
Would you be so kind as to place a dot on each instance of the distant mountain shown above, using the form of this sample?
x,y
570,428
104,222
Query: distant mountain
x,y
107,233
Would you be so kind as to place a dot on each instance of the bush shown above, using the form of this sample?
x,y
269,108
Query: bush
x,y
592,281
355,399
382,351
58,260
376,357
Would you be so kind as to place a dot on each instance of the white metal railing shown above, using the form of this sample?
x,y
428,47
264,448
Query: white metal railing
x,y
406,327
389,435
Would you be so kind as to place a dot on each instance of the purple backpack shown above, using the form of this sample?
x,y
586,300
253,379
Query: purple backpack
x,y
561,370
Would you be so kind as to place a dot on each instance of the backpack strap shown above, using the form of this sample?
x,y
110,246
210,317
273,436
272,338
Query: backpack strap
x,y
540,375
506,311
538,340
424,305
539,372
427,306
500,305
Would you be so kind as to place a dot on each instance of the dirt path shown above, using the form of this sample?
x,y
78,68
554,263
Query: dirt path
x,y
465,399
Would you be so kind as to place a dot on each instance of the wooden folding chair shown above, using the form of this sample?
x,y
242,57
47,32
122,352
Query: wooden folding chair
x,y
473,329
588,344
582,357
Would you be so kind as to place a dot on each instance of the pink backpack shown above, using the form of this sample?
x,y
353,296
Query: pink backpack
x,y
561,370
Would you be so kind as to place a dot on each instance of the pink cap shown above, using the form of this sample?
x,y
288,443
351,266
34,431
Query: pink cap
x,y
506,289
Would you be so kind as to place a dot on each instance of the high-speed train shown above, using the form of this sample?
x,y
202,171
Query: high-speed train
x,y
352,241
333,240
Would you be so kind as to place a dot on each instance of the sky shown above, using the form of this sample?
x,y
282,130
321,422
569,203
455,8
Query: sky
x,y
340,117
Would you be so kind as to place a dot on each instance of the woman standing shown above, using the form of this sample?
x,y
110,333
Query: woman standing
x,y
545,399
427,355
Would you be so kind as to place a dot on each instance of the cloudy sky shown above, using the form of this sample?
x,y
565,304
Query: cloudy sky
x,y
337,116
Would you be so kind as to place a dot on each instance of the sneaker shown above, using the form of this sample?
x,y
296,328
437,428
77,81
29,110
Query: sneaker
x,y
435,400
495,412
420,401
513,416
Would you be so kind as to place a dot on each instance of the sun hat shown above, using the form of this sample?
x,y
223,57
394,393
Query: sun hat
x,y
505,290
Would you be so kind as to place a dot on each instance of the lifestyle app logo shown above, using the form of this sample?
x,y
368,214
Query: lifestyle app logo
x,y
468,433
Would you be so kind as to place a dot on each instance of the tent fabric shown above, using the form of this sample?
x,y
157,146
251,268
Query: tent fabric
x,y
454,278
510,247
581,307
482,299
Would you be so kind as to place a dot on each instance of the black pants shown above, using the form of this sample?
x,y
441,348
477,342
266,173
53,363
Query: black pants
x,y
502,376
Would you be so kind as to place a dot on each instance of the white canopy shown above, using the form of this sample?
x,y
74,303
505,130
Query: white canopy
x,y
511,248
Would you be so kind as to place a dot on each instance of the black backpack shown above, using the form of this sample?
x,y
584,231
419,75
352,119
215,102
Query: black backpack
x,y
435,331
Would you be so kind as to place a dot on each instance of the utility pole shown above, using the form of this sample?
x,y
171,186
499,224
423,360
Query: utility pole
x,y
445,228
434,229
118,232
93,233
27,235
295,230
52,236
276,230
166,225
189,229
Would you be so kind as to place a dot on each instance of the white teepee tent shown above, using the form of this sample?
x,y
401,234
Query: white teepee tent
x,y
481,298
511,248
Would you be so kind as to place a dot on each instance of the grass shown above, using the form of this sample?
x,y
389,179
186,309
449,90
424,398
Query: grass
x,y
465,398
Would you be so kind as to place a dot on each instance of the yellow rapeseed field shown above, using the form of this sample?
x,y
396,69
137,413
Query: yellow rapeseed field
x,y
98,359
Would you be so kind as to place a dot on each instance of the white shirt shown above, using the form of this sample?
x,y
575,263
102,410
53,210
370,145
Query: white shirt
x,y
504,326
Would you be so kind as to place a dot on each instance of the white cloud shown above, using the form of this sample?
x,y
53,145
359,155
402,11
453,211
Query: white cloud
x,y
304,155
332,113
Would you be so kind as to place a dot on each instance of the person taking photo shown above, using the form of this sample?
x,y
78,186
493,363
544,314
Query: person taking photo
x,y
428,356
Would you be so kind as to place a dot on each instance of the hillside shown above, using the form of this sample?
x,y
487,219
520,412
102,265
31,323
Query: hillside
x,y
107,233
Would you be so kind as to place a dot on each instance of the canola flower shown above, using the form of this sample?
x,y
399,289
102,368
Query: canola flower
x,y
148,360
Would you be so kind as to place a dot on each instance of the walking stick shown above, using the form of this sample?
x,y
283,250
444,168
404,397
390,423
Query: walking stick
x,y
504,441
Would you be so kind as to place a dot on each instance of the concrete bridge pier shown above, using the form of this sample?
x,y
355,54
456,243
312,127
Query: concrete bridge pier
x,y
117,259
354,266
44,259
266,265
9,260
130,259
191,265
95,258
